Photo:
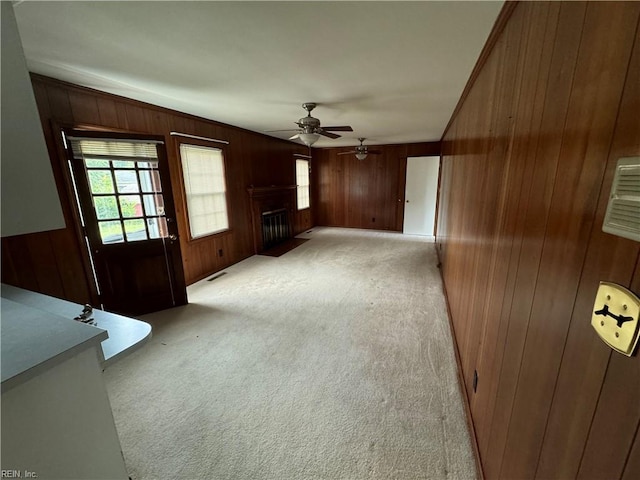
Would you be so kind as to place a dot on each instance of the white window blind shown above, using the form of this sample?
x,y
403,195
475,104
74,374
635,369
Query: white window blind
x,y
113,149
205,189
302,180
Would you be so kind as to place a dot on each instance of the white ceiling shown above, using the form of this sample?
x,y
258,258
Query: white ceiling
x,y
394,71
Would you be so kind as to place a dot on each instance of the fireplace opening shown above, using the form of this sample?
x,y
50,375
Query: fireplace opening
x,y
275,227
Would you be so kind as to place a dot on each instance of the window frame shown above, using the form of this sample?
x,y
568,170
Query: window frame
x,y
187,221
308,186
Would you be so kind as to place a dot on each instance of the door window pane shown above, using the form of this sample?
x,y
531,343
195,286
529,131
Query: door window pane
x,y
110,232
147,165
124,164
153,205
106,207
126,181
150,181
131,206
100,181
135,230
157,227
93,163
145,180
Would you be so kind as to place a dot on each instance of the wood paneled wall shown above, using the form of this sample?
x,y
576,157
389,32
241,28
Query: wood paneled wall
x,y
528,160
54,262
367,193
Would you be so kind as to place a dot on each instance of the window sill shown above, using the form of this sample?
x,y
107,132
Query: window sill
x,y
211,236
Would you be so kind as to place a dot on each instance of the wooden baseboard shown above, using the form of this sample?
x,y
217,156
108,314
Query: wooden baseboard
x,y
461,384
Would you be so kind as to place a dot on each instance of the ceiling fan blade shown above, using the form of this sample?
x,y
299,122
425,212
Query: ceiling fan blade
x,y
285,130
328,134
344,128
374,152
297,135
347,153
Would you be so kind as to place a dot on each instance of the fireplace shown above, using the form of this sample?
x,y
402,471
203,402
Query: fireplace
x,y
271,215
275,227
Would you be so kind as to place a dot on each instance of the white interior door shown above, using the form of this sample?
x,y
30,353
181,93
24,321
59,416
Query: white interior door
x,y
421,192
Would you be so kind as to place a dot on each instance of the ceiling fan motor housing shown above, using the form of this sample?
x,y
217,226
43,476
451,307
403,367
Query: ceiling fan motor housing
x,y
310,123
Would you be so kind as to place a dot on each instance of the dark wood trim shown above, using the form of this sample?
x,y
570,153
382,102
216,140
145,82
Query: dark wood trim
x,y
87,127
256,192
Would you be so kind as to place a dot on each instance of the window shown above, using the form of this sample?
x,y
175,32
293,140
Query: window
x,y
205,189
125,188
302,180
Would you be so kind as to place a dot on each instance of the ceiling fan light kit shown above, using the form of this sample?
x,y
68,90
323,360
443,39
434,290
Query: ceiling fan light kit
x,y
361,156
309,138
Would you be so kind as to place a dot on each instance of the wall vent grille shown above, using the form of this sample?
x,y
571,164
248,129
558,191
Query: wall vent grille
x,y
623,211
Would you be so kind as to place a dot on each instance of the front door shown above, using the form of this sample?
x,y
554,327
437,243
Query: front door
x,y
124,194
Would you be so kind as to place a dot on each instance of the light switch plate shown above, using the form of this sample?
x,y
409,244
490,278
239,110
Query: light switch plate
x,y
615,317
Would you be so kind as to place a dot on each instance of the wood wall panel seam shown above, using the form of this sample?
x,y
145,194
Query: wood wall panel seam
x,y
628,459
497,29
632,467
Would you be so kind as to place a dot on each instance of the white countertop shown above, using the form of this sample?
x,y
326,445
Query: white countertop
x,y
33,342
35,326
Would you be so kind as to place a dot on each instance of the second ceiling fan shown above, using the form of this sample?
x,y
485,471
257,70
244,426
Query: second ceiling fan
x,y
361,151
310,130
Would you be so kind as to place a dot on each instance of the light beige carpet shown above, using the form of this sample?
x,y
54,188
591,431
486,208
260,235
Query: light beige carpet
x,y
333,361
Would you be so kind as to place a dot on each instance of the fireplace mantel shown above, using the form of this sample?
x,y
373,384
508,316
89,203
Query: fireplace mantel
x,y
271,190
269,198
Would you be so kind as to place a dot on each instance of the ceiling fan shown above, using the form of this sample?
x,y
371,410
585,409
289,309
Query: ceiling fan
x,y
310,130
361,151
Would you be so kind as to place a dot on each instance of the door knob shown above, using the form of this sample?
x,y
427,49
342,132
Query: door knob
x,y
173,237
